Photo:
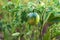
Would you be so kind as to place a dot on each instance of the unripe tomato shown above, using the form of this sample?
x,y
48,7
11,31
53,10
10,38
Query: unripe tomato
x,y
33,18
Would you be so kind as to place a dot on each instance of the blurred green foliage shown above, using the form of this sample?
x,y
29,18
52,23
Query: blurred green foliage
x,y
13,19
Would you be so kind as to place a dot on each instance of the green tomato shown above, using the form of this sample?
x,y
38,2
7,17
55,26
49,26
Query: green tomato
x,y
33,18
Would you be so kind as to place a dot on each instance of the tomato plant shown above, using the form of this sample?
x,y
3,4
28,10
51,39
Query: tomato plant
x,y
30,19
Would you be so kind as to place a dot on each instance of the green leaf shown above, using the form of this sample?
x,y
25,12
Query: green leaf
x,y
16,1
57,14
54,17
16,34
